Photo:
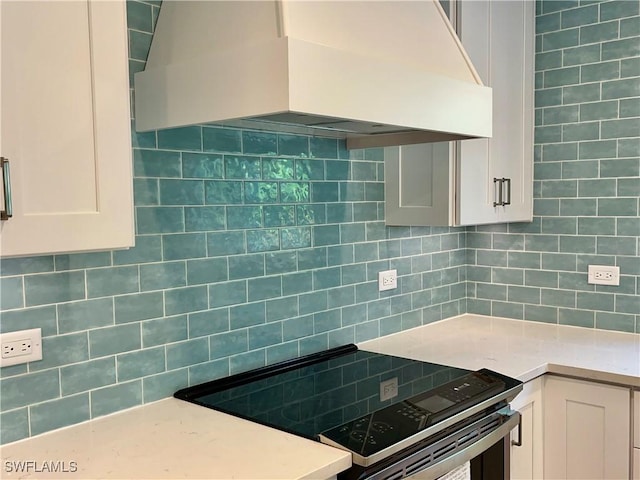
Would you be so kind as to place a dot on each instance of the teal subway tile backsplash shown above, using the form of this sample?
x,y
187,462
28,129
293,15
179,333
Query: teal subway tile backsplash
x,y
254,247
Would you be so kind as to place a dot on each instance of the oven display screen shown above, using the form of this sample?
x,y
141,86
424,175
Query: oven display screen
x,y
434,404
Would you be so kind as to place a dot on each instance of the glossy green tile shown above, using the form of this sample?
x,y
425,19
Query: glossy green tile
x,y
547,23
280,262
28,389
628,187
630,107
148,248
221,139
140,306
159,220
181,192
163,385
294,192
620,168
309,169
630,67
539,313
627,304
310,214
596,226
202,165
597,188
186,353
323,147
118,397
208,323
111,340
183,246
264,288
206,271
278,169
223,192
559,151
559,225
22,266
156,163
618,9
576,318
509,310
579,16
324,192
145,192
552,134
259,143
204,218
183,300
164,331
620,128
15,425
228,293
45,288
598,111
86,376
578,207
139,43
564,114
103,282
182,138
558,298
597,149
140,364
11,292
629,147
246,361
620,49
549,6
578,244
162,275
62,350
265,335
260,192
39,317
59,413
617,207
295,237
263,240
599,32
596,72
629,27
596,301
560,39
244,217
242,167
229,343
615,321
364,212
246,266
279,215
225,243
295,145
251,314
620,88
617,245
548,97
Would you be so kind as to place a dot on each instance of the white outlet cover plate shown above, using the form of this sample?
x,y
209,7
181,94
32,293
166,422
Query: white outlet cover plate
x,y
33,335
603,275
387,280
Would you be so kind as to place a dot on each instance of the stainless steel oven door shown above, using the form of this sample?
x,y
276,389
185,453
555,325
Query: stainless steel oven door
x,y
485,443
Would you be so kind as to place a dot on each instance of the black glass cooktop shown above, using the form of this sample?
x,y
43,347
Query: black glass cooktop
x,y
358,400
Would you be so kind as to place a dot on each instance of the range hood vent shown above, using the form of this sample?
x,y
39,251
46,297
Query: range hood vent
x,y
378,72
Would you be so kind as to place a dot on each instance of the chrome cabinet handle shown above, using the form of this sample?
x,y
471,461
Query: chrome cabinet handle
x,y
502,182
507,182
499,181
7,213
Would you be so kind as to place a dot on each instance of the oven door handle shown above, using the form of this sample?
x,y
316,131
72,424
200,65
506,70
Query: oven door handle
x,y
442,467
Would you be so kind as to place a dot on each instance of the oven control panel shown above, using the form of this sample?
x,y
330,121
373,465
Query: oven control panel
x,y
378,430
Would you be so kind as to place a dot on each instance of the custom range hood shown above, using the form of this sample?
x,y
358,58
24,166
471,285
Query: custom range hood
x,y
376,72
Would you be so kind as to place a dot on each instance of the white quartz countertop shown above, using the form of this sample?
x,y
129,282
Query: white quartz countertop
x,y
175,439
520,349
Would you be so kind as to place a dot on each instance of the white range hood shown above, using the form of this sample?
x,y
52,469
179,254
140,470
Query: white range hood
x,y
377,72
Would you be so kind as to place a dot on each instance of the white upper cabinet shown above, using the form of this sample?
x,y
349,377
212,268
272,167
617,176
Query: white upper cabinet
x,y
65,126
489,180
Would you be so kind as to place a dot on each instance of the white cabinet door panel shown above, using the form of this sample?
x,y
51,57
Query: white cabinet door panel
x,y
586,430
526,459
66,126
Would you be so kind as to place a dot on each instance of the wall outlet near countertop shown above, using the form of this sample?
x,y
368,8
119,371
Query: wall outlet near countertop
x,y
603,275
387,280
20,347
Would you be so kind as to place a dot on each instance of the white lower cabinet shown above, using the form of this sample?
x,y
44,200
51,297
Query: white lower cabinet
x,y
636,434
526,459
586,430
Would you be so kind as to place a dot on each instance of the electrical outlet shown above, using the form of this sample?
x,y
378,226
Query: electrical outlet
x,y
387,280
20,347
603,275
389,389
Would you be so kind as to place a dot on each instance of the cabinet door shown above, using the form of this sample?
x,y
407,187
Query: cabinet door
x,y
636,464
499,38
526,459
586,430
418,182
636,418
65,126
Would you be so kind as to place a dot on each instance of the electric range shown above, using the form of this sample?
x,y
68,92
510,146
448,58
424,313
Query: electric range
x,y
395,415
